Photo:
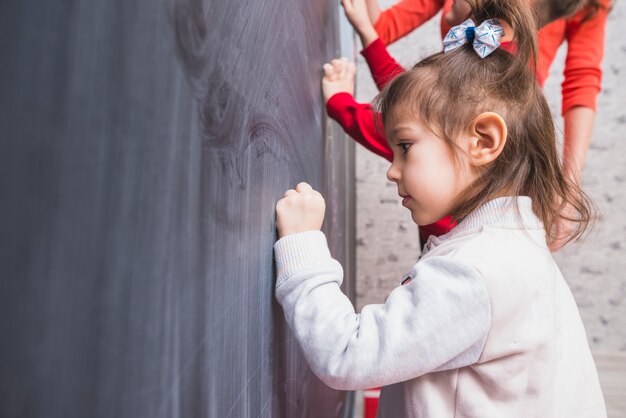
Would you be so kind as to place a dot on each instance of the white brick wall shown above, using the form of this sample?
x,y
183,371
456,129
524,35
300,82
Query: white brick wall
x,y
596,269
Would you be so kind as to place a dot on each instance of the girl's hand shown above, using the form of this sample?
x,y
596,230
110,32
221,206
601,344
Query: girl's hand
x,y
338,78
356,12
459,12
300,210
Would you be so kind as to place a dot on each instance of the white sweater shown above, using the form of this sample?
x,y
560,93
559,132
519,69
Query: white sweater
x,y
487,327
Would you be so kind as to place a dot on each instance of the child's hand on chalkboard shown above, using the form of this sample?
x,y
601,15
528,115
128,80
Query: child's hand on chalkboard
x,y
300,210
356,12
338,78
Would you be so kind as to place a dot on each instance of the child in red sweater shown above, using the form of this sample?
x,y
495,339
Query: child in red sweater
x,y
580,88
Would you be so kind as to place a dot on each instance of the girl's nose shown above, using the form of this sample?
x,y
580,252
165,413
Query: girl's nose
x,y
393,174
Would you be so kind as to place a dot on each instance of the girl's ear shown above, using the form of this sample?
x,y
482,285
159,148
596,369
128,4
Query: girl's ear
x,y
486,137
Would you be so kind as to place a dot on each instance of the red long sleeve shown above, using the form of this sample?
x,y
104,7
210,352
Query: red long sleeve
x,y
583,65
549,38
404,16
585,50
383,66
359,121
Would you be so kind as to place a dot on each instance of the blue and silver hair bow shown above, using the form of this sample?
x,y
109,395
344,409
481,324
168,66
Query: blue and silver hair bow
x,y
485,37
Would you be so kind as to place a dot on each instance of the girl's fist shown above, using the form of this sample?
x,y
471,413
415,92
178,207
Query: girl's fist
x,y
300,210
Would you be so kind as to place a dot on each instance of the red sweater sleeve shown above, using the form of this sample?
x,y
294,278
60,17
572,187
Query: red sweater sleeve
x,y
583,65
403,17
550,38
383,66
360,122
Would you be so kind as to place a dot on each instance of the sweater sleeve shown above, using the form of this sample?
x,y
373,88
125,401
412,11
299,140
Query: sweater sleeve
x,y
405,16
383,66
583,65
360,122
438,321
549,38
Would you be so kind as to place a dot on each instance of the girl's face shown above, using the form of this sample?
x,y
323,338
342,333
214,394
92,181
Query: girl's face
x,y
425,169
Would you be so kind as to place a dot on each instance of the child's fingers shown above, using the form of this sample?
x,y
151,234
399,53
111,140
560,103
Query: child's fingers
x,y
303,187
290,192
338,65
347,6
344,67
351,69
328,70
348,69
342,71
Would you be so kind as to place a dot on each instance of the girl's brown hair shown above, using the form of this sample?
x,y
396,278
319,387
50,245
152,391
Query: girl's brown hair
x,y
556,9
594,6
448,90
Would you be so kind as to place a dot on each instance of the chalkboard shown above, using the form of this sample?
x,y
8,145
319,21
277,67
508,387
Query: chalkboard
x,y
144,145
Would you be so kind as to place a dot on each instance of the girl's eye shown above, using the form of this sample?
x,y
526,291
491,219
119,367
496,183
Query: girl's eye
x,y
404,146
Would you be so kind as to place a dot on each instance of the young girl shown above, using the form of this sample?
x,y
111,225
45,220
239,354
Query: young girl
x,y
484,324
585,35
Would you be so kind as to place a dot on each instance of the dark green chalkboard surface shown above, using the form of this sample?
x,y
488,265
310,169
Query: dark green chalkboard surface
x,y
143,147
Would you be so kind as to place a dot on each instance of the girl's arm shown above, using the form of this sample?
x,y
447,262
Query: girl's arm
x,y
373,10
405,16
382,65
358,120
438,321
357,14
581,85
583,65
578,128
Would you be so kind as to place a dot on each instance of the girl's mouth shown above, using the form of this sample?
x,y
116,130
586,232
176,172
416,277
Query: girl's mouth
x,y
406,200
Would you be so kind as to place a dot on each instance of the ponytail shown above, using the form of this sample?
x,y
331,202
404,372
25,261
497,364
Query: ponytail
x,y
518,14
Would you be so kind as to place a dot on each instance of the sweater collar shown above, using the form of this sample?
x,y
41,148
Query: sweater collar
x,y
512,212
